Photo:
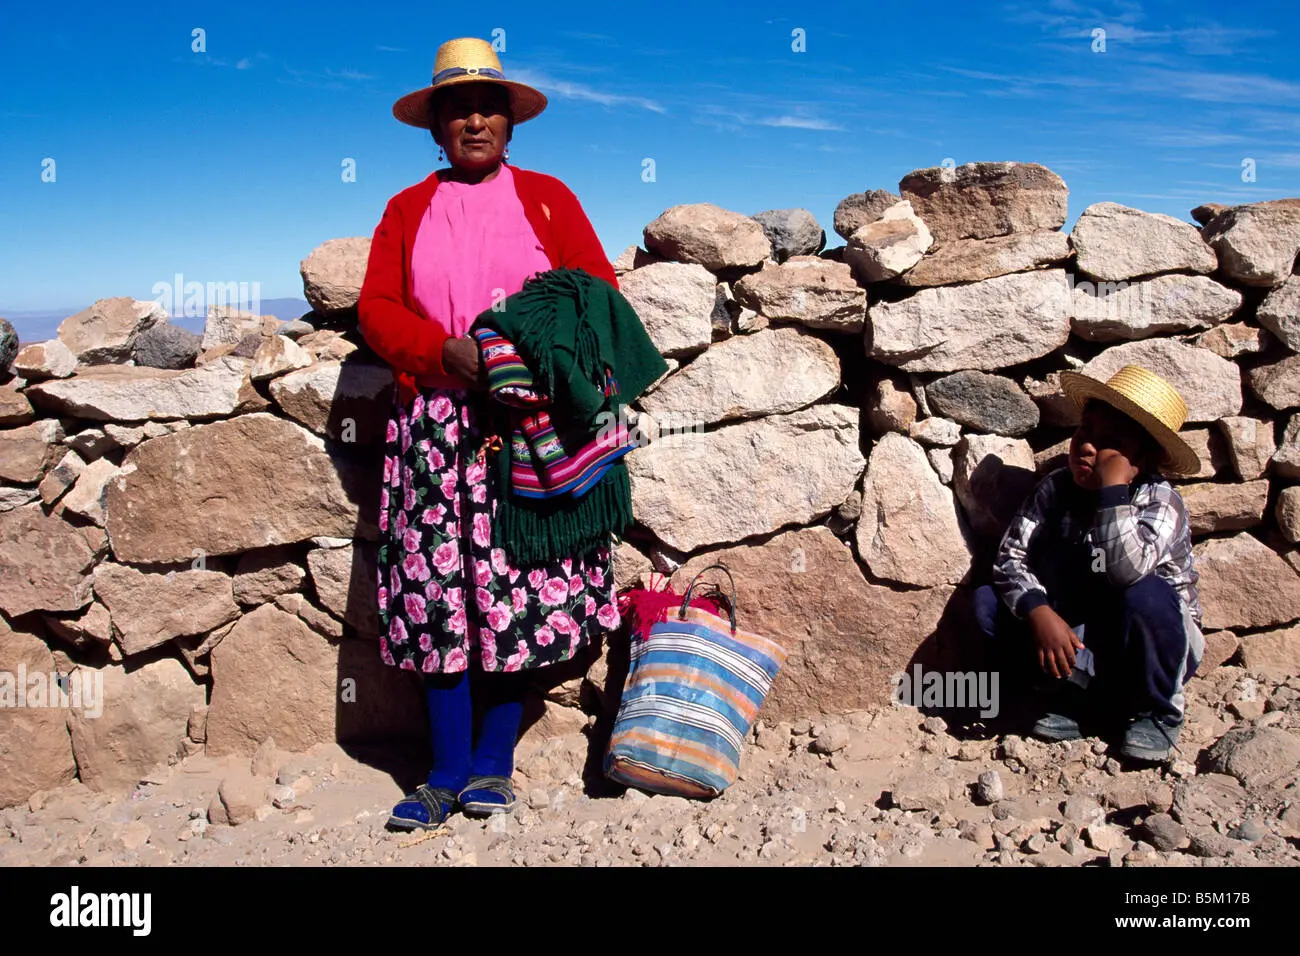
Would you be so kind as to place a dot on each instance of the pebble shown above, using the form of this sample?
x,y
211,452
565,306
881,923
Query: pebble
x,y
934,725
989,788
1164,832
1250,830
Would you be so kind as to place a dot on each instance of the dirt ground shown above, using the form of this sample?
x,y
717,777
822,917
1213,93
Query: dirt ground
x,y
889,788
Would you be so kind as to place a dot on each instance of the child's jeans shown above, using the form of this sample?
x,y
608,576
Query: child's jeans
x,y
1144,643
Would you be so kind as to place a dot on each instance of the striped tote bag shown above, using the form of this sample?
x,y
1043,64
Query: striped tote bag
x,y
694,688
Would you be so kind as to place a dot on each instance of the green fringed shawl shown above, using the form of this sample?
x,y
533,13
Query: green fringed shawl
x,y
568,327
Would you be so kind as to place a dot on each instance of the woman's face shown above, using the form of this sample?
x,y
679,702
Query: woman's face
x,y
473,124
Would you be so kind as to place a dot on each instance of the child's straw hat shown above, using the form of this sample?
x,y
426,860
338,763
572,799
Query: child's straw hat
x,y
468,60
1146,398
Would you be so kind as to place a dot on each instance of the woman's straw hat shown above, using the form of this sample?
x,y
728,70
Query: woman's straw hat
x,y
467,60
1146,398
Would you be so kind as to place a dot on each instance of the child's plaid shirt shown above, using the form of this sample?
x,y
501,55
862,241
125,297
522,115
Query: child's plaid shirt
x,y
1063,536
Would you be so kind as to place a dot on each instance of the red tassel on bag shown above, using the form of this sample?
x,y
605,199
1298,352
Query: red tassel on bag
x,y
644,607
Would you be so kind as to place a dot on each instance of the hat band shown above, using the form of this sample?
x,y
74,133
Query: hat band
x,y
467,71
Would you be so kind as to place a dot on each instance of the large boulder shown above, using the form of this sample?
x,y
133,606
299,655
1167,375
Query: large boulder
x,y
888,247
1210,385
35,750
722,486
38,361
970,260
985,325
814,292
1244,584
1256,756
1118,242
8,347
46,562
1219,506
846,637
706,234
1277,384
29,451
150,609
276,481
106,332
145,714
1109,312
1257,243
273,676
341,400
1274,655
979,200
333,272
674,301
136,393
909,532
770,372
166,345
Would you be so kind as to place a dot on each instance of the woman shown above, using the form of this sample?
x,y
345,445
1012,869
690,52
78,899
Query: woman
x,y
445,250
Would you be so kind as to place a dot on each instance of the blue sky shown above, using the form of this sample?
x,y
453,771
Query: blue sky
x,y
225,166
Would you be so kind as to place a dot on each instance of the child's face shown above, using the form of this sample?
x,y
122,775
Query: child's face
x,y
1104,429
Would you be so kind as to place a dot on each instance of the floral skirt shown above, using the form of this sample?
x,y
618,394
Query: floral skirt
x,y
446,596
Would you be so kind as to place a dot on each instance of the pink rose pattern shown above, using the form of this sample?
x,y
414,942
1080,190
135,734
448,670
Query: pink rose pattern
x,y
447,597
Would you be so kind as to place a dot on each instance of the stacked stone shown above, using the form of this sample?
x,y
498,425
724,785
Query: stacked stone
x,y
970,301
849,430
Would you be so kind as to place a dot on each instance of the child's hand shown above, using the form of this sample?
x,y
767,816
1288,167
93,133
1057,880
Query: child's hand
x,y
1114,468
1056,641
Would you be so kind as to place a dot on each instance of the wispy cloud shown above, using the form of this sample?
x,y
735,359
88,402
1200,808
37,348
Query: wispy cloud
x,y
581,91
391,49
732,119
797,122
327,79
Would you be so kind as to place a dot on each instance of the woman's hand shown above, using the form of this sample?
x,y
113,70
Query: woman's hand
x,y
460,357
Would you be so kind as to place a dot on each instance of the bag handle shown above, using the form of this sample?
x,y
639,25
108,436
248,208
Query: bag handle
x,y
731,603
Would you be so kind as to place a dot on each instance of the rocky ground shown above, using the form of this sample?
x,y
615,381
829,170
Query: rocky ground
x,y
892,787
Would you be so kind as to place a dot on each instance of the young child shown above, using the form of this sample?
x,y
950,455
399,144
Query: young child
x,y
1095,572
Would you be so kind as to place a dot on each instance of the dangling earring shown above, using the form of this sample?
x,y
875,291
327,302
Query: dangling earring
x,y
506,155
439,154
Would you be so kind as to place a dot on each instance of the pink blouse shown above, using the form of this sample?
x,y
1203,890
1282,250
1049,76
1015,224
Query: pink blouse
x,y
474,247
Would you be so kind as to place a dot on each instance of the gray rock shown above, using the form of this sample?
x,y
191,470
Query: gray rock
x,y
986,403
792,232
857,210
992,476
989,788
166,346
8,347
1164,833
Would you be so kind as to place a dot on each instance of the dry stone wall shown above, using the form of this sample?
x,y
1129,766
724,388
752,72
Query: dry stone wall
x,y
188,522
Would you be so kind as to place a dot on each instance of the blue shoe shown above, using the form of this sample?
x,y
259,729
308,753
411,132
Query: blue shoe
x,y
1057,727
1150,740
425,809
484,796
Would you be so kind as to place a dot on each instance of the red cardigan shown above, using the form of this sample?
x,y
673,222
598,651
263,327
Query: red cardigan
x,y
387,316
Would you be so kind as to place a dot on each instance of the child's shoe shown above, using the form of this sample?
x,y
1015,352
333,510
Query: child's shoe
x,y
1064,707
1150,740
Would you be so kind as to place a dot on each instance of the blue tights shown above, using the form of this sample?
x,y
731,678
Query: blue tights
x,y
456,757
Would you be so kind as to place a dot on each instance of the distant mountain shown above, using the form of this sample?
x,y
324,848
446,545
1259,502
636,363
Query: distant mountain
x,y
41,324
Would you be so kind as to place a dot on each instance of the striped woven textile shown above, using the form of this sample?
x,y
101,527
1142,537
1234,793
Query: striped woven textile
x,y
540,467
692,695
